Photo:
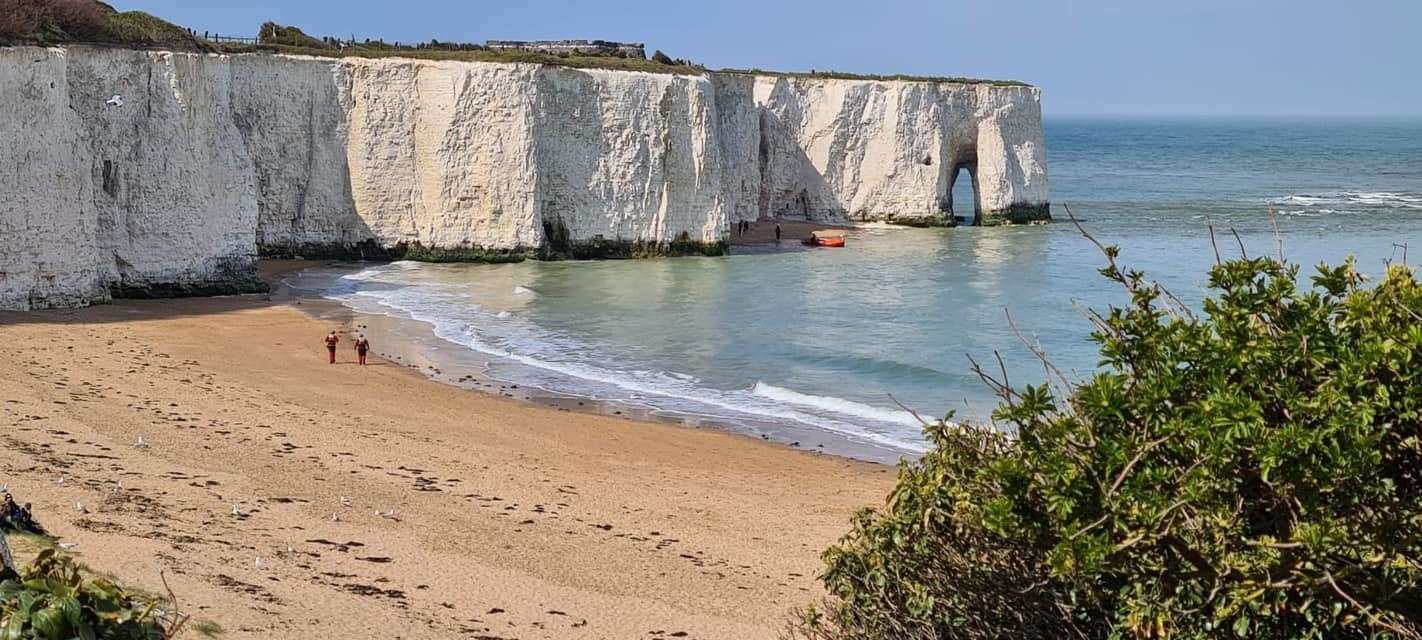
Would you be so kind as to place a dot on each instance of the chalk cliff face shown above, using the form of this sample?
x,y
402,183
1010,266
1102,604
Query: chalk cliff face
x,y
153,196
891,150
203,162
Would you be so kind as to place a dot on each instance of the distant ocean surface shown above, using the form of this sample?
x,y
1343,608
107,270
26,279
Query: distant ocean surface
x,y
822,345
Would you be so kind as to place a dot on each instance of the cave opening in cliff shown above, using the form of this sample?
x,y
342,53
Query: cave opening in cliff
x,y
963,192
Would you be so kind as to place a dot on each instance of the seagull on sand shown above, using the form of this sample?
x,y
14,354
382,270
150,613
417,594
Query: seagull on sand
x,y
389,515
259,564
345,501
4,488
140,444
68,545
60,480
237,511
116,101
79,506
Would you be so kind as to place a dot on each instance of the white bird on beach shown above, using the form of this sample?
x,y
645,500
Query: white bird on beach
x,y
79,506
68,545
237,511
118,488
335,518
116,101
140,444
389,515
259,564
60,480
345,501
5,488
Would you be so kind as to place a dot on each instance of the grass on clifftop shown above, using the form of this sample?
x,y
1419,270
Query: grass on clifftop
x,y
844,75
469,55
277,38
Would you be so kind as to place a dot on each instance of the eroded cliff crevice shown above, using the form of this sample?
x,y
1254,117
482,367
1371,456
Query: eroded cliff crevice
x,y
138,173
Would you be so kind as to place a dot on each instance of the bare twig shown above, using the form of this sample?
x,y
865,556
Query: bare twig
x,y
1278,238
178,620
1036,350
1210,224
913,413
1240,241
1125,471
1367,610
1117,275
1000,388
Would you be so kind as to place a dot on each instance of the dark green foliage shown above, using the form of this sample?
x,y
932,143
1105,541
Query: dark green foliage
x,y
559,246
276,34
1016,214
277,38
1254,472
421,253
661,58
62,21
51,600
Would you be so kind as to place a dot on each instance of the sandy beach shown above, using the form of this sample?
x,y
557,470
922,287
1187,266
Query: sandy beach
x,y
792,232
285,497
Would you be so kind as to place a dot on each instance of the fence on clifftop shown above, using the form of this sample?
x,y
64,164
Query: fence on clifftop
x,y
221,39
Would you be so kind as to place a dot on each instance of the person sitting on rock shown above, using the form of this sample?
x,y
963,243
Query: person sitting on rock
x,y
14,517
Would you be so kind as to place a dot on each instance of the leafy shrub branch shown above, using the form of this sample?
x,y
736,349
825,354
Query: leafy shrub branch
x,y
1252,471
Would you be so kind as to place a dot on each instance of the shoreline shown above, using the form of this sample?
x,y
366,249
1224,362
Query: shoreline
x,y
570,524
413,343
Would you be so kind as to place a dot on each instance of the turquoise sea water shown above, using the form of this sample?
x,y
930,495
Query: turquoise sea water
x,y
801,342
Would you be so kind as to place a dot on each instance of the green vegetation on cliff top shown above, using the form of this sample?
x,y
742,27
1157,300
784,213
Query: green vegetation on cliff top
x,y
843,75
65,21
48,22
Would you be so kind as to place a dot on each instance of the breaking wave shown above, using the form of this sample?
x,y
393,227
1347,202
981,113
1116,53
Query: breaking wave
x,y
1348,202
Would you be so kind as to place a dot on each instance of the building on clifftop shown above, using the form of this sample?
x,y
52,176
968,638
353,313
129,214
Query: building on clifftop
x,y
579,47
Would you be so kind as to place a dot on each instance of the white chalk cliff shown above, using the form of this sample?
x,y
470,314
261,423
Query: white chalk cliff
x,y
138,173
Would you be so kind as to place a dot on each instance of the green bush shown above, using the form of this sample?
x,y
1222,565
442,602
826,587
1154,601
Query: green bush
x,y
51,600
1252,472
64,21
276,34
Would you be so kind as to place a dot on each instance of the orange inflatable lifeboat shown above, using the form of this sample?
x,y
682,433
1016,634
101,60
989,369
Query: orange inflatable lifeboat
x,y
826,238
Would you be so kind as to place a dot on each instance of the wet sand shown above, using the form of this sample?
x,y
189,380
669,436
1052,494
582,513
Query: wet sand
x,y
374,502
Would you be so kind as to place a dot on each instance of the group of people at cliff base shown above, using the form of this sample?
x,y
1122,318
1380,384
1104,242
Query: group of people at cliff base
x,y
14,517
744,226
362,346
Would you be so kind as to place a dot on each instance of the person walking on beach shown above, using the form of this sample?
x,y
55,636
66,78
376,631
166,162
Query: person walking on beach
x,y
777,233
361,347
331,340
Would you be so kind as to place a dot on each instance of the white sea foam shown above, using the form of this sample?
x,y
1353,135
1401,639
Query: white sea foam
x,y
835,405
1368,199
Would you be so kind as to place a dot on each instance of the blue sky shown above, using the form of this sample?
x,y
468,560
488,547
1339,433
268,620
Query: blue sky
x,y
1115,57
